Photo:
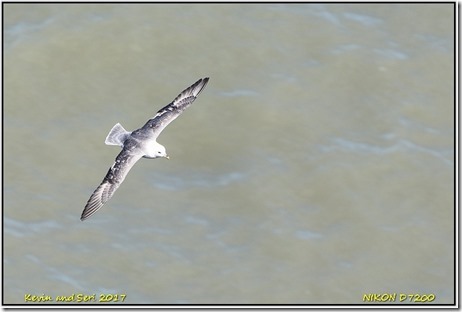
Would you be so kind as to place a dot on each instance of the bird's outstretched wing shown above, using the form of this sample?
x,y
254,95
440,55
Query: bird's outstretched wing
x,y
170,112
114,177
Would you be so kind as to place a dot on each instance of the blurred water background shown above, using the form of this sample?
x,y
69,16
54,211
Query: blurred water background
x,y
316,167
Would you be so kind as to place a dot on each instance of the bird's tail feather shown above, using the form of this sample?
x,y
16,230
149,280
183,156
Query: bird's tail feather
x,y
117,135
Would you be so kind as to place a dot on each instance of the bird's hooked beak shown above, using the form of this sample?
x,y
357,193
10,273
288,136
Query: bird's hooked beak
x,y
167,157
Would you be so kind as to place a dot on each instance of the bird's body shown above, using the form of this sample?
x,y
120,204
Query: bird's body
x,y
137,144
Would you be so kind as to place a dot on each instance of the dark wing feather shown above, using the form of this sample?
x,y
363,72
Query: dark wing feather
x,y
114,177
170,112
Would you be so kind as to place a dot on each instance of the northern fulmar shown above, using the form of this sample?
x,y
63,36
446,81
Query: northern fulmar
x,y
139,143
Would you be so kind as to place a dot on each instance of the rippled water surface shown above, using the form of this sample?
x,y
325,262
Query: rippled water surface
x,y
316,167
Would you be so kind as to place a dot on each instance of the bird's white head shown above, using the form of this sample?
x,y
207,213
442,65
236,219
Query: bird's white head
x,y
161,151
155,150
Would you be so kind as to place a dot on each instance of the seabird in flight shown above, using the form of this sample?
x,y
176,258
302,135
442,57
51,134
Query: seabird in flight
x,y
139,143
